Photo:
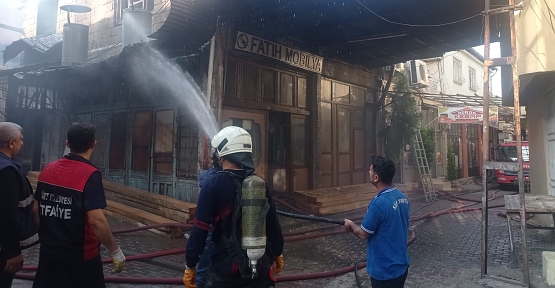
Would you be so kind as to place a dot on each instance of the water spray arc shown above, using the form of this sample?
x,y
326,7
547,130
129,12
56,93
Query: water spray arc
x,y
155,68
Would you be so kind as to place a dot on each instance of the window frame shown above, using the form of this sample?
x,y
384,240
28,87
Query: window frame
x,y
457,71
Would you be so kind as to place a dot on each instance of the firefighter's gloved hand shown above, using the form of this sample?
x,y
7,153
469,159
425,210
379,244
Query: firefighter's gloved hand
x,y
279,264
189,277
118,259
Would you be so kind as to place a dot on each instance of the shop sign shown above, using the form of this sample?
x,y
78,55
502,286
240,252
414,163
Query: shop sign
x,y
294,57
468,115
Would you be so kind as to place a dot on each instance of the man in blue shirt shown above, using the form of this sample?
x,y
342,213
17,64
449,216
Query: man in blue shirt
x,y
385,227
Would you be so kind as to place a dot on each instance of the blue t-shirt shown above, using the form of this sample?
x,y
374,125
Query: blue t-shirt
x,y
387,220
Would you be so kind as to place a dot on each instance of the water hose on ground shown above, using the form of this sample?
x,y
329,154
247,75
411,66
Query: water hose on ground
x,y
149,280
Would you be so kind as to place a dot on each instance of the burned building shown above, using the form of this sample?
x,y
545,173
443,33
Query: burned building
x,y
300,76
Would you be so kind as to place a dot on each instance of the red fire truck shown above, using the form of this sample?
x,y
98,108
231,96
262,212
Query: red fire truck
x,y
507,153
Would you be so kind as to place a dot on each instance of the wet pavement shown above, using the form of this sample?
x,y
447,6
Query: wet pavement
x,y
446,252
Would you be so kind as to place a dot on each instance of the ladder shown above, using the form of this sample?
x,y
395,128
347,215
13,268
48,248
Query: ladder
x,y
423,167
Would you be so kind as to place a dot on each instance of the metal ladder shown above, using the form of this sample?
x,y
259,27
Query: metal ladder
x,y
423,167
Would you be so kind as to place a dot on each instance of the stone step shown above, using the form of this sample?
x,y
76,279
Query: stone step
x,y
443,186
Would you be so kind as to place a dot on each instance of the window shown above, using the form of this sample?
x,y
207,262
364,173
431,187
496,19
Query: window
x,y
142,134
47,17
269,85
326,138
473,84
119,5
187,154
286,89
341,93
230,78
250,82
163,142
326,90
298,135
118,135
301,92
344,130
457,71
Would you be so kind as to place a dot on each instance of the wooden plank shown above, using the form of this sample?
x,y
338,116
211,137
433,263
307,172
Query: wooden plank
x,y
135,223
534,204
137,214
512,203
333,209
143,195
327,194
364,198
149,207
140,196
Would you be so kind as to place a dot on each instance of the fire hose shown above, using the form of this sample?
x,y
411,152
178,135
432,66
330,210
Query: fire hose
x,y
291,237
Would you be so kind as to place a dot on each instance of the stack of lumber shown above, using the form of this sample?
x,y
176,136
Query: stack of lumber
x,y
140,207
336,199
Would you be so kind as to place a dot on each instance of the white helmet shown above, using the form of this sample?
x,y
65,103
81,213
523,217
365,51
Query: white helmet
x,y
231,140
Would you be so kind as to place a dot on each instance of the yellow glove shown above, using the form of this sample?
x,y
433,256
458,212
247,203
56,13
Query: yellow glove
x,y
279,264
189,277
119,260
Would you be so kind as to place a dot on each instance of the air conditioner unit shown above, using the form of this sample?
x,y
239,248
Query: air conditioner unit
x,y
418,74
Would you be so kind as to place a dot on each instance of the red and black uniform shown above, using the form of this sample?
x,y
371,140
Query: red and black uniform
x,y
69,254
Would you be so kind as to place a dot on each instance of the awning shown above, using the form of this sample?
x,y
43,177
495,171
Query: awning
x,y
43,44
373,33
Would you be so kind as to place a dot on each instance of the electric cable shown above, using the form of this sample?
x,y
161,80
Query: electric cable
x,y
417,25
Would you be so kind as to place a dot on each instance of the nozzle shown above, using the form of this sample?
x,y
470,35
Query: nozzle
x,y
253,268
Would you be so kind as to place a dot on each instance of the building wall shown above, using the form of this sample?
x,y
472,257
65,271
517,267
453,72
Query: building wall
x,y
441,72
539,179
103,29
535,37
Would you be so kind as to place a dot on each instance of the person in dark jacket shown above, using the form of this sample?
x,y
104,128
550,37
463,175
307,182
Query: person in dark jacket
x,y
204,178
17,223
215,209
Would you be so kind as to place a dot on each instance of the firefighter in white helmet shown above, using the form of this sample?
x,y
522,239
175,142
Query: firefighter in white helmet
x,y
219,211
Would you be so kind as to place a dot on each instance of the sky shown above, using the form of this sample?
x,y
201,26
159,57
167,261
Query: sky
x,y
494,52
10,15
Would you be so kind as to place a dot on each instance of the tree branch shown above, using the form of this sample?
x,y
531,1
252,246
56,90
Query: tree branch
x,y
387,85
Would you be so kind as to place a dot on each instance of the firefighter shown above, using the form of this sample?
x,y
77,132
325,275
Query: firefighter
x,y
69,201
217,211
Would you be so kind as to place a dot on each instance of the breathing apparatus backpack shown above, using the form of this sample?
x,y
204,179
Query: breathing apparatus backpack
x,y
251,207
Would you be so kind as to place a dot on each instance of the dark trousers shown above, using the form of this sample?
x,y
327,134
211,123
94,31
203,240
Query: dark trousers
x,y
398,282
83,274
6,280
216,280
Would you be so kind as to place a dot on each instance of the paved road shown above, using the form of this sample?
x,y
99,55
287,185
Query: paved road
x,y
446,252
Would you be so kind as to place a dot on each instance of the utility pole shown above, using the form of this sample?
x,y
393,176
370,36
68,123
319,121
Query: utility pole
x,y
489,165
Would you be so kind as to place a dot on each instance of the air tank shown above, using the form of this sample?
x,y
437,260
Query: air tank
x,y
75,46
136,26
254,201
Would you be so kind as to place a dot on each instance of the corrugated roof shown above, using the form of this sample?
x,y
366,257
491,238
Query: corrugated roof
x,y
40,44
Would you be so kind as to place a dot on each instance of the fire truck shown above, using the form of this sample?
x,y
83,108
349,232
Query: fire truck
x,y
506,152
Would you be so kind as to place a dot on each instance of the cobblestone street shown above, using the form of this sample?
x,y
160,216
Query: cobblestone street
x,y
446,252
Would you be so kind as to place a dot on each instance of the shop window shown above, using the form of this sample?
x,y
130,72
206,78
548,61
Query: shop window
x,y
325,113
357,96
276,141
142,135
118,136
286,89
187,149
231,79
326,90
163,142
298,135
269,80
344,130
301,92
341,93
250,81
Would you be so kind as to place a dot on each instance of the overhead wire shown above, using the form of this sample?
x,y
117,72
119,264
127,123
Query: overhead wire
x,y
417,25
